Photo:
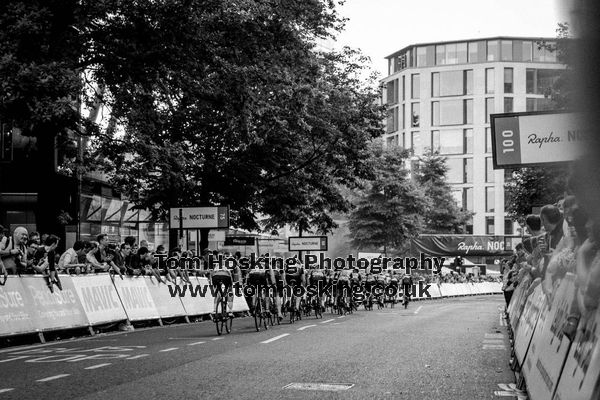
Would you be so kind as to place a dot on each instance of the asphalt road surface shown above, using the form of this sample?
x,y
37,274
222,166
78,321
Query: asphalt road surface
x,y
439,349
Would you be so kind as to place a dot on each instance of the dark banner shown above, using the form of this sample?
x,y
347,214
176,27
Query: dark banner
x,y
462,245
239,241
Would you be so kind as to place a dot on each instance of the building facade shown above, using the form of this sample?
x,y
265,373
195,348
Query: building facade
x,y
440,97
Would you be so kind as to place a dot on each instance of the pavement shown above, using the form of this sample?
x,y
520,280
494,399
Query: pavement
x,y
439,349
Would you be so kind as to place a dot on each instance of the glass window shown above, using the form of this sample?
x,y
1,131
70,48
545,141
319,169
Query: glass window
x,y
468,162
458,197
489,226
473,58
415,86
489,199
416,114
448,112
507,50
469,81
489,108
468,141
527,53
435,141
508,80
403,88
508,226
468,104
451,55
435,84
488,140
540,81
492,50
392,120
450,141
530,81
489,80
451,83
539,104
468,199
415,141
508,104
440,54
542,53
489,170
392,141
401,117
392,92
461,53
435,113
421,56
455,170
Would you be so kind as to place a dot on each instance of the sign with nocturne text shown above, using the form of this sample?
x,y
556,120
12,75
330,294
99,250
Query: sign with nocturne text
x,y
536,138
199,217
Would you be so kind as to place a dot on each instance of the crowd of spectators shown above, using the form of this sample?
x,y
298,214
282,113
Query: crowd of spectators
x,y
564,238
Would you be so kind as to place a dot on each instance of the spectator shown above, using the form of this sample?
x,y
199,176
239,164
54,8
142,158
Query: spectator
x,y
122,259
32,244
13,252
552,221
92,259
102,246
147,265
70,258
112,267
44,262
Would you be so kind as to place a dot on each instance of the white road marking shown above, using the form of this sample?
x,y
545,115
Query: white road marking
x,y
98,366
6,390
342,316
51,378
329,320
494,336
330,387
13,359
169,349
195,343
493,341
217,338
418,309
275,338
493,347
138,356
305,327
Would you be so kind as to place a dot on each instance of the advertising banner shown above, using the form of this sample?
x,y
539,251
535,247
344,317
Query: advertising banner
x,y
549,346
536,138
198,302
461,245
199,217
308,243
580,378
14,311
58,310
533,306
166,305
136,299
99,298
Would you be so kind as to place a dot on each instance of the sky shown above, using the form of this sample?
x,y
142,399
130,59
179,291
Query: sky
x,y
381,27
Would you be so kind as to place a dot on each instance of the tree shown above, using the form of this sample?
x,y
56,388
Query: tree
x,y
443,214
391,210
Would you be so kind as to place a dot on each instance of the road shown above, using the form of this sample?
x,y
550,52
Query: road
x,y
439,349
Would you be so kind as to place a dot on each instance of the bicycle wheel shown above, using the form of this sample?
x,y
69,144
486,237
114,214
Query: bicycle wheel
x,y
318,311
219,317
265,315
257,314
292,309
227,320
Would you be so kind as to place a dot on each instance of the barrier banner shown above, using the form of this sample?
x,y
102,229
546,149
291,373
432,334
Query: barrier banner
x,y
580,378
527,322
135,298
99,298
197,302
58,310
15,315
434,291
166,305
549,346
449,289
517,302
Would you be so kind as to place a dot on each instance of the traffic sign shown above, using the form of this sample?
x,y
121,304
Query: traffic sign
x,y
199,217
308,243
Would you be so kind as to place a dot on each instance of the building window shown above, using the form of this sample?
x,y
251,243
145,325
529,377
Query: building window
x,y
508,226
451,83
403,140
543,54
489,199
468,81
6,142
415,114
489,108
489,170
448,141
435,141
392,141
456,170
415,86
392,120
415,142
488,140
489,80
489,226
527,52
468,141
541,81
452,112
468,199
468,104
492,50
421,56
473,57
392,92
508,104
440,54
403,88
507,50
508,80
468,163
461,53
401,119
539,104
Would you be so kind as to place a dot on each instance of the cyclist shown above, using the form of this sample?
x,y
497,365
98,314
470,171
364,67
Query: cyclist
x,y
370,282
317,278
380,281
343,283
394,283
260,276
295,276
407,283
355,282
222,276
278,278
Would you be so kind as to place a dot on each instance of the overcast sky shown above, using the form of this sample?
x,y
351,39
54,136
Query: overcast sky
x,y
381,27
